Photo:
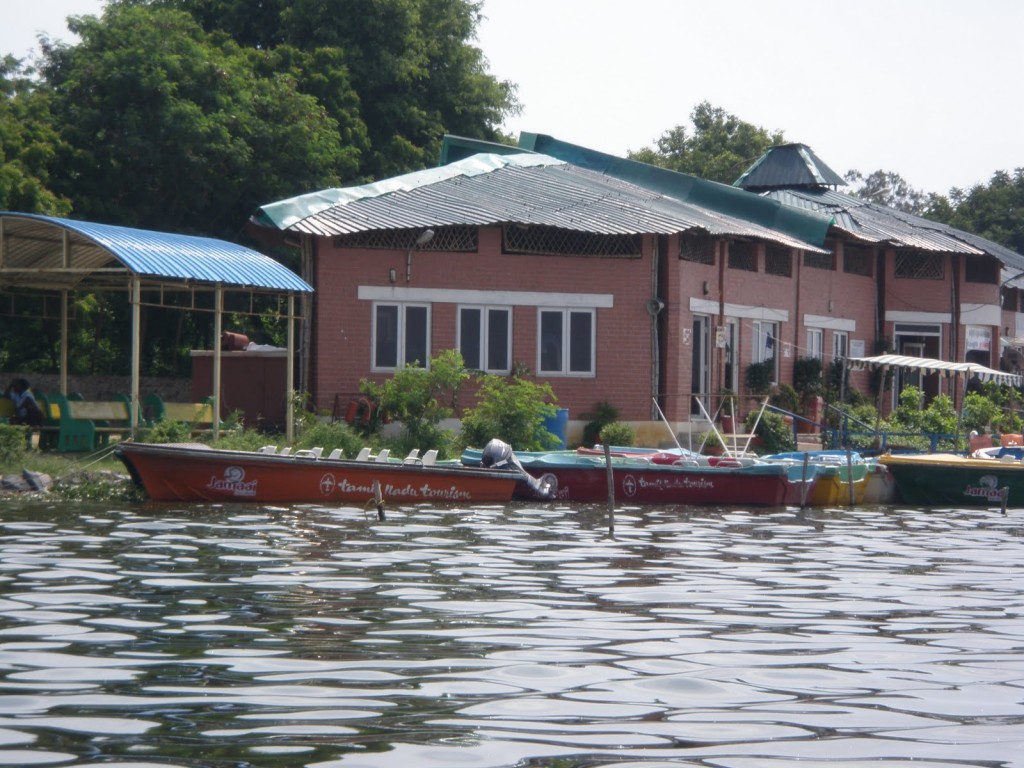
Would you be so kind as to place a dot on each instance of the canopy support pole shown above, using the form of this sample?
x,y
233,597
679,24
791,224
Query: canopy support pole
x,y
289,416
136,299
64,298
217,323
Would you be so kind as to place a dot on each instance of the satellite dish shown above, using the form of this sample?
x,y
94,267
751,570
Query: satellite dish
x,y
654,306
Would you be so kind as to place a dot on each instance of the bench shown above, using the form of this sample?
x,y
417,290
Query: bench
x,y
83,425
199,416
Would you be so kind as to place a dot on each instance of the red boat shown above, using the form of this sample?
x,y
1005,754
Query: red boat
x,y
578,477
196,472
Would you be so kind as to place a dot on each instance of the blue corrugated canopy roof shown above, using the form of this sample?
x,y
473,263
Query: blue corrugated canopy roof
x,y
52,253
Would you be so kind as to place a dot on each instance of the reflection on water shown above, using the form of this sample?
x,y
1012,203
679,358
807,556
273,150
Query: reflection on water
x,y
308,636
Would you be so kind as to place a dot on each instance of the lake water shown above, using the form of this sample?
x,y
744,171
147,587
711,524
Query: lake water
x,y
160,636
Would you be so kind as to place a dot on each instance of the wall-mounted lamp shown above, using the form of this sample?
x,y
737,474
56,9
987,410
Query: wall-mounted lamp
x,y
705,288
425,237
392,275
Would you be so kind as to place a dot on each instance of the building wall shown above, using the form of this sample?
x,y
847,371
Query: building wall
x,y
349,280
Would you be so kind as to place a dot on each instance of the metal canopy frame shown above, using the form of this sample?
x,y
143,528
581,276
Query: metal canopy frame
x,y
61,256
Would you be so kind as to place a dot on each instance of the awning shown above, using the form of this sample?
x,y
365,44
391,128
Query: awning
x,y
928,365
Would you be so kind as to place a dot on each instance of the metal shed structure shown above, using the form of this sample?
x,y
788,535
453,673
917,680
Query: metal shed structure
x,y
49,254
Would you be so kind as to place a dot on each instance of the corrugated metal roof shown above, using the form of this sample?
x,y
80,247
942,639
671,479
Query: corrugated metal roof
x,y
492,189
33,255
874,223
789,165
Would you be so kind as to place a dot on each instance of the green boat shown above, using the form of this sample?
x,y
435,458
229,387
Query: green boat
x,y
949,479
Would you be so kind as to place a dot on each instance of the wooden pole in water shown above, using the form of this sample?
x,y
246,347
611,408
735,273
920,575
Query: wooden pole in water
x,y
611,488
1004,496
803,481
849,473
378,497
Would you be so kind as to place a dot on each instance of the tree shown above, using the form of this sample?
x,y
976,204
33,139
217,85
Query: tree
x,y
28,143
890,190
994,210
720,148
410,62
169,128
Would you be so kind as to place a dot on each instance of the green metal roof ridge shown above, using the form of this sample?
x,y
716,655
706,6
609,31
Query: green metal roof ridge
x,y
285,213
808,226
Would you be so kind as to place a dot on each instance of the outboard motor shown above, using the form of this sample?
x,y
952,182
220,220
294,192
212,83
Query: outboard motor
x,y
498,454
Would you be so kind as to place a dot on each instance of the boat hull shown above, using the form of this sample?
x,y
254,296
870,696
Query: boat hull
x,y
948,479
584,479
194,473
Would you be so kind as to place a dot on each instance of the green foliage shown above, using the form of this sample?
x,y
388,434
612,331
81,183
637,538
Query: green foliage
x,y
168,431
421,398
758,377
720,148
786,398
330,435
617,433
994,210
776,435
807,377
888,189
979,412
512,409
603,413
13,446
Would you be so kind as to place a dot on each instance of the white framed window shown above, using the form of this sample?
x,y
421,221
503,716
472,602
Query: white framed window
x,y
401,335
566,341
766,345
814,343
840,344
485,338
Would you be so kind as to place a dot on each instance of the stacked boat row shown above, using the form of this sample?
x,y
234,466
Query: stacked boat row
x,y
196,472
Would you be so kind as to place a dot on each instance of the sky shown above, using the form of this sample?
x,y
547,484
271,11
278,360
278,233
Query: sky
x,y
928,89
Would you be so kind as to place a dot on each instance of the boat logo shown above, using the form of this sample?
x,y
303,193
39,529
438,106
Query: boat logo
x,y
629,485
987,488
327,484
233,482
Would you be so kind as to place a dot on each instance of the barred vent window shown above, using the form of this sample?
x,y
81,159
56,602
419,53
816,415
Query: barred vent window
x,y
919,266
743,256
857,260
820,260
778,261
552,241
448,239
1010,299
698,249
981,269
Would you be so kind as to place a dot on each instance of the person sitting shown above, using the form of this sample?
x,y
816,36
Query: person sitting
x,y
26,409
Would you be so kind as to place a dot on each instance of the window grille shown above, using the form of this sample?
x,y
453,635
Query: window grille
x,y
554,241
919,266
743,256
778,261
981,269
698,249
857,260
1010,299
449,239
820,260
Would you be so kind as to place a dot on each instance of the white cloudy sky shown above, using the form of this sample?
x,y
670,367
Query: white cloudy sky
x,y
929,89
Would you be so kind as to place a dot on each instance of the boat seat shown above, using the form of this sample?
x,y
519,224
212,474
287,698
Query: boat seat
x,y
310,453
1008,458
337,453
364,454
382,456
430,456
413,457
286,451
268,449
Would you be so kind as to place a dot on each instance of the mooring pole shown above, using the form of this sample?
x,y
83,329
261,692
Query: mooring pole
x,y
378,497
611,488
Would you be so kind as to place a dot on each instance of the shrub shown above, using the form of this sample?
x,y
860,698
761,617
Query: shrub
x,y
759,376
786,398
776,435
414,397
13,445
807,380
604,413
513,410
616,433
